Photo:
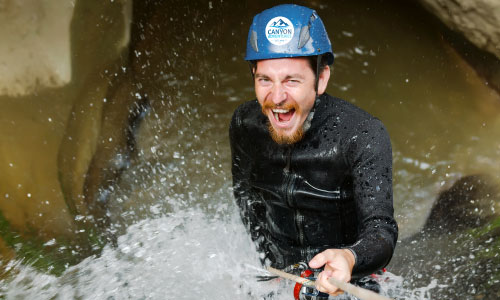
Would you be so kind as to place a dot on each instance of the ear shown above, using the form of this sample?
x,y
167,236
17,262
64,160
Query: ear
x,y
323,80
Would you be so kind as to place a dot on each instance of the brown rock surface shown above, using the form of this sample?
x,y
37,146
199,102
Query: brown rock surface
x,y
478,21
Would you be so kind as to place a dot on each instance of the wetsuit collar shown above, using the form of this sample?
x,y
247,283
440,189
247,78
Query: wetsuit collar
x,y
307,122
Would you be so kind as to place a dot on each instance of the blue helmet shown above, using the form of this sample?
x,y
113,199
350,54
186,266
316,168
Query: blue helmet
x,y
287,30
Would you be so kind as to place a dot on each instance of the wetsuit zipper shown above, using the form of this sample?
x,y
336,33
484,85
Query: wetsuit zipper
x,y
291,179
288,178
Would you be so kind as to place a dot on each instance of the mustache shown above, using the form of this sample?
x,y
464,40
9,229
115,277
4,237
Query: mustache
x,y
289,105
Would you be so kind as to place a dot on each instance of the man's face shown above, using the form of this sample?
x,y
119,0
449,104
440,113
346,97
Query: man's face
x,y
285,91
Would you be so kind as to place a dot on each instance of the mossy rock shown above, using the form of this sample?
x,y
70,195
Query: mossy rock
x,y
459,246
471,202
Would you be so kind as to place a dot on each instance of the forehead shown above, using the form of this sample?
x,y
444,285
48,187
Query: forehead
x,y
299,65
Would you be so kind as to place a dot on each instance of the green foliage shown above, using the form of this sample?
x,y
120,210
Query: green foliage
x,y
51,257
487,237
490,227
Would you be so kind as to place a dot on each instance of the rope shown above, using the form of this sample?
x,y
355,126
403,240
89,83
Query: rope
x,y
361,293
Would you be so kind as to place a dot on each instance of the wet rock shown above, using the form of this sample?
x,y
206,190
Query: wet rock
x,y
479,20
471,202
98,142
474,30
122,115
458,247
50,137
31,200
35,47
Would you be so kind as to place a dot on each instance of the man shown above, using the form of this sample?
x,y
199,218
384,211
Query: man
x,y
312,174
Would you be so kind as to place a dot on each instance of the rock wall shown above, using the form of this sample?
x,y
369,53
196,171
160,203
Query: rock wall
x,y
473,29
35,45
463,230
50,127
478,21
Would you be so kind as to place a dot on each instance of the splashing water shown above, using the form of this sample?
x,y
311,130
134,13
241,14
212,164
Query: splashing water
x,y
178,256
186,255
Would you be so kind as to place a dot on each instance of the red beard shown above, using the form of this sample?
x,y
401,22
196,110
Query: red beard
x,y
278,135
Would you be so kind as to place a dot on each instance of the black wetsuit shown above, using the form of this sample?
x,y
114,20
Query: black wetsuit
x,y
332,189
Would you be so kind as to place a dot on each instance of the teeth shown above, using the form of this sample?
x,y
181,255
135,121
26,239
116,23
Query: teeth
x,y
277,111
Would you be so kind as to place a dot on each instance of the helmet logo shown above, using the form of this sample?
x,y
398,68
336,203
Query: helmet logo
x,y
279,31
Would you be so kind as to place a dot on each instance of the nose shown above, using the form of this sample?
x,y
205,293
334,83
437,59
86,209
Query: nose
x,y
278,95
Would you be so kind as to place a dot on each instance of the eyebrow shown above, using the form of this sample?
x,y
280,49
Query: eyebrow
x,y
297,75
259,75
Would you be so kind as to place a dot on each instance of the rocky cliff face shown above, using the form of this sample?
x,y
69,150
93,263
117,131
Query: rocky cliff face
x,y
35,45
478,21
474,31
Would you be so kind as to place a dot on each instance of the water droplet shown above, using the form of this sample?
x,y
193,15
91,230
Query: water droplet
x,y
52,242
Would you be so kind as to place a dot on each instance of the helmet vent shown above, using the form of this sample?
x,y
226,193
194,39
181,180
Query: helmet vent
x,y
253,41
304,36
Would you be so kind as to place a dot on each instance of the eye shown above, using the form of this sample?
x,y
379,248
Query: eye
x,y
263,81
292,82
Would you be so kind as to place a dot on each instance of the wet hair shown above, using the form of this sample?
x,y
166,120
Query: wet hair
x,y
313,62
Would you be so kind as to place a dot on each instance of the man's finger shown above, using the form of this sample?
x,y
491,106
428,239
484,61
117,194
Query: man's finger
x,y
323,285
318,261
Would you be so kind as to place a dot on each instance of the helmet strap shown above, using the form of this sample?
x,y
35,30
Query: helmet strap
x,y
318,62
251,66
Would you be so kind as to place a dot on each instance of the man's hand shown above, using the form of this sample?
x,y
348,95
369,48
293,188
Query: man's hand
x,y
338,264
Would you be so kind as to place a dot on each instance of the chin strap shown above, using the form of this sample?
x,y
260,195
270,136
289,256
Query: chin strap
x,y
318,63
251,66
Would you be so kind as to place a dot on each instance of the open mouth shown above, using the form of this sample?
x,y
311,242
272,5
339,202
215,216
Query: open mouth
x,y
283,115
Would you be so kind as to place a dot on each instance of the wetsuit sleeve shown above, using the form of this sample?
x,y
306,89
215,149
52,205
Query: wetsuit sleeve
x,y
249,203
370,156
